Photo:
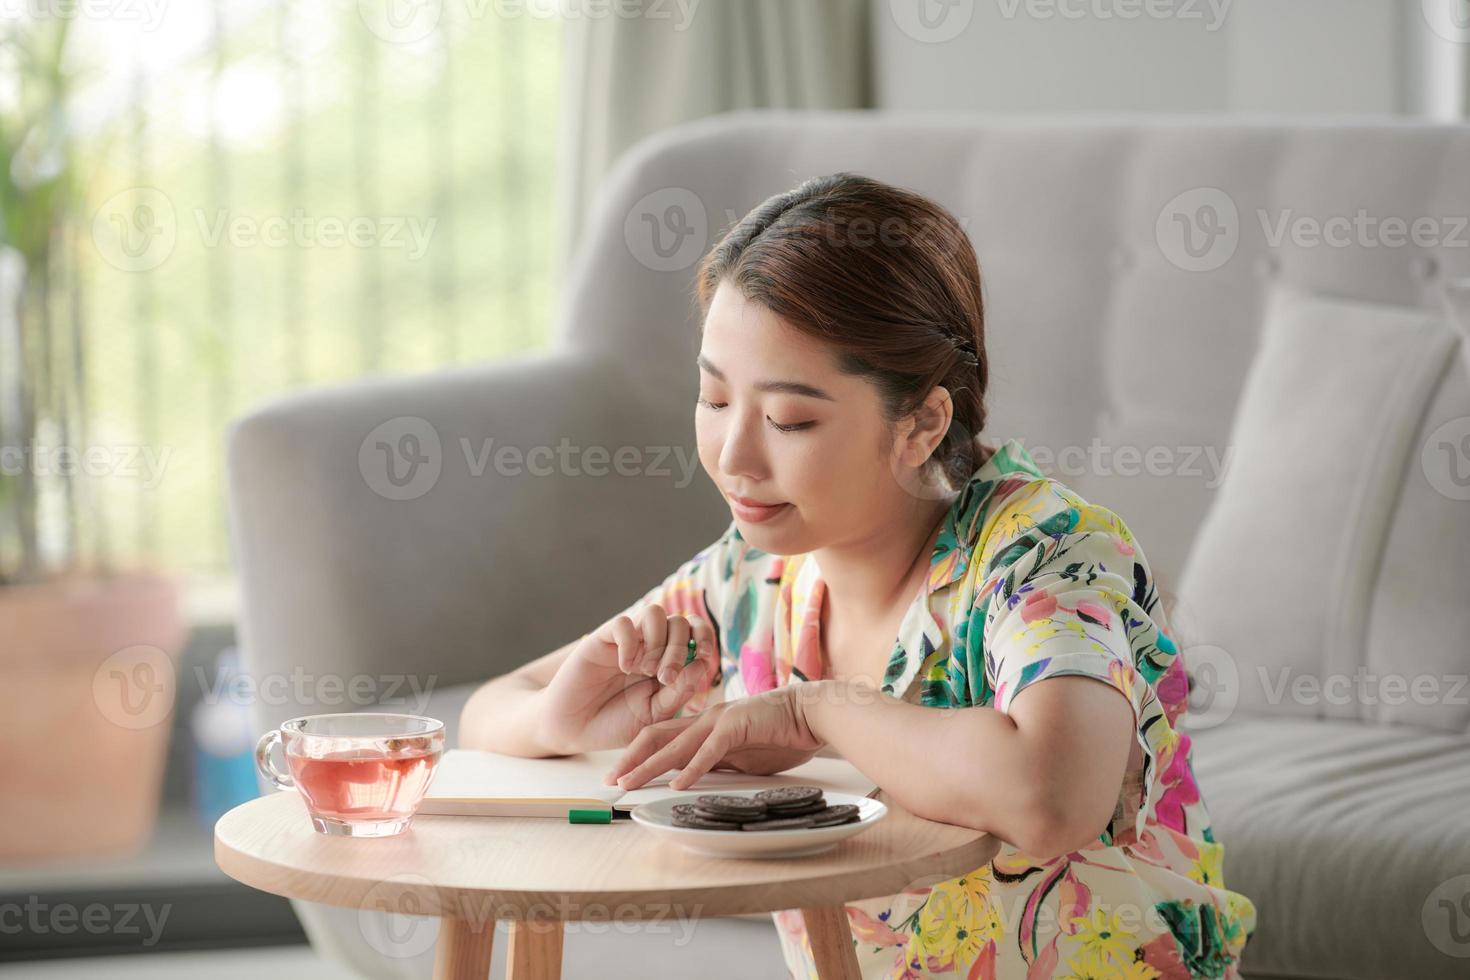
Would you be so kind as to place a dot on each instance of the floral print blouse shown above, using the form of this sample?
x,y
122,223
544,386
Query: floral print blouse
x,y
1027,581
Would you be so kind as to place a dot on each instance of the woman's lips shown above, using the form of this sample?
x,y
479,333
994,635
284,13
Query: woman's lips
x,y
755,513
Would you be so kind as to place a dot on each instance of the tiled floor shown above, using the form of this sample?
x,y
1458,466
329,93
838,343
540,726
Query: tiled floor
x,y
276,962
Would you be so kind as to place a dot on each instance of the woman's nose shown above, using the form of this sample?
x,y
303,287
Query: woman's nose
x,y
741,453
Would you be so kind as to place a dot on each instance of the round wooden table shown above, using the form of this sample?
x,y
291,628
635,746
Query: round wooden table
x,y
540,872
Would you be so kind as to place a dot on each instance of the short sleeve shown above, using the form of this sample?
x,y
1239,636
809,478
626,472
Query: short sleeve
x,y
1067,592
701,587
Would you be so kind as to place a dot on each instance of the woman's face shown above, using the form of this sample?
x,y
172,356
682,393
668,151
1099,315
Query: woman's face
x,y
825,471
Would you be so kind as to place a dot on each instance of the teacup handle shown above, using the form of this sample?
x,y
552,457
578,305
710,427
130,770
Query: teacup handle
x,y
268,741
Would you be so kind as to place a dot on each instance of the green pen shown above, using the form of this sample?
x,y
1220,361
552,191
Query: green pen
x,y
589,816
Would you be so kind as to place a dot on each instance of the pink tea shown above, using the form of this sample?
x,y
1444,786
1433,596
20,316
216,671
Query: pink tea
x,y
361,774
364,784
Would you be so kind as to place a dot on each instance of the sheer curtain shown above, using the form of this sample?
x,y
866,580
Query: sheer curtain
x,y
626,77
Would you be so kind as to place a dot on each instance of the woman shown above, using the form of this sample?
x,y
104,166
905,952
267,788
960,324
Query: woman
x,y
842,382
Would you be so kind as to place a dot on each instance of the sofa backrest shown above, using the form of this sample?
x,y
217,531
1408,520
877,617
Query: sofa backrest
x,y
1127,261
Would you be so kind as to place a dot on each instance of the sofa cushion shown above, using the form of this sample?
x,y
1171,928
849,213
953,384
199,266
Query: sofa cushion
x,y
1351,839
1284,574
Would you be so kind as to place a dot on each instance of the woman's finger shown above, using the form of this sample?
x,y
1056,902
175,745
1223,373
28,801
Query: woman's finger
x,y
678,659
644,744
625,636
673,755
675,650
710,752
655,626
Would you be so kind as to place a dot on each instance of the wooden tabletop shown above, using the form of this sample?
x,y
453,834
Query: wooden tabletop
x,y
542,868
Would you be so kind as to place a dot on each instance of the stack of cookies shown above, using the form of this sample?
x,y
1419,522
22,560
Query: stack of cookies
x,y
779,808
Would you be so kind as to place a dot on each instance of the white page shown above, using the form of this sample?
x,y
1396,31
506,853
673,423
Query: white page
x,y
466,775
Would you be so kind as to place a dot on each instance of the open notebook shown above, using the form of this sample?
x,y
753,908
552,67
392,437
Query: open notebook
x,y
488,784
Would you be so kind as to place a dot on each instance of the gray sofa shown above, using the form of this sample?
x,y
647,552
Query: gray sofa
x,y
1347,831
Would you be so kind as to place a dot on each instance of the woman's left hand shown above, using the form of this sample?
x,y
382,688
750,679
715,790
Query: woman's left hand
x,y
764,734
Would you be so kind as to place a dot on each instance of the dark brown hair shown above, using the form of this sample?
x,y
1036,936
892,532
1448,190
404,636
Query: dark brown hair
x,y
886,278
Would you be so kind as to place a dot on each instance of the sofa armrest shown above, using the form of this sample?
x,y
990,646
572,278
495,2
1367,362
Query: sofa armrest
x,y
360,584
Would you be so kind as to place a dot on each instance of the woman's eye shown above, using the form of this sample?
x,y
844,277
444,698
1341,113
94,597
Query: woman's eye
x,y
794,427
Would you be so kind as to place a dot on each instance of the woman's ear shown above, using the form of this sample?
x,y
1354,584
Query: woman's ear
x,y
930,422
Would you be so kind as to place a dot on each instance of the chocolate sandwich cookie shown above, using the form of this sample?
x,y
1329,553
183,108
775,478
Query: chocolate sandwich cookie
x,y
682,809
795,811
789,795
731,806
703,823
780,823
726,815
837,813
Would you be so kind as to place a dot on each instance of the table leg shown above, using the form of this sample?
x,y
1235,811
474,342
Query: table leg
x,y
534,952
831,940
463,952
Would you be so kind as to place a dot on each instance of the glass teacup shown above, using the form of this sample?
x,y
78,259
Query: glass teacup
x,y
362,775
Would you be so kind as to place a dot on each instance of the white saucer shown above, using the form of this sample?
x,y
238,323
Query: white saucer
x,y
657,816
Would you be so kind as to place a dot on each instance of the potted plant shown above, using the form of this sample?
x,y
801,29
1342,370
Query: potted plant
x,y
87,651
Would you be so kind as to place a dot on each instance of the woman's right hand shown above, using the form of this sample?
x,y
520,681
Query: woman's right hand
x,y
625,675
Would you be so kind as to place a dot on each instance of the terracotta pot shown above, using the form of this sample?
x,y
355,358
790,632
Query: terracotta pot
x,y
90,677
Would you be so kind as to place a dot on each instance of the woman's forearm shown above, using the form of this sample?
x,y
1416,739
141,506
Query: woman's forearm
x,y
506,715
932,762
